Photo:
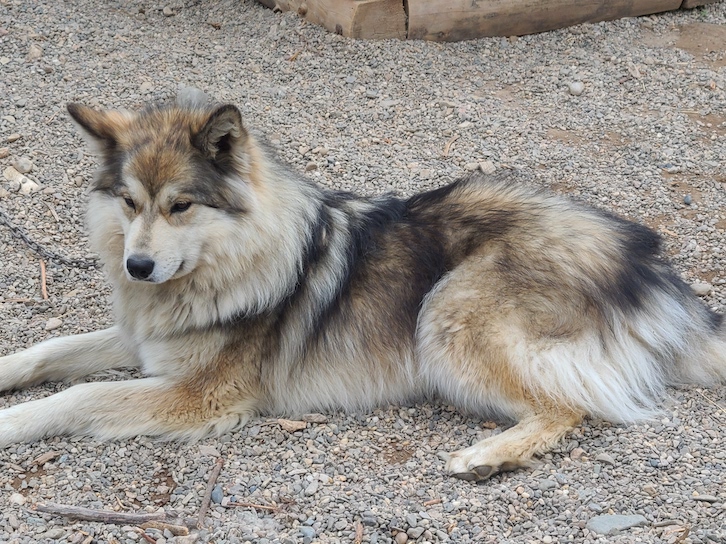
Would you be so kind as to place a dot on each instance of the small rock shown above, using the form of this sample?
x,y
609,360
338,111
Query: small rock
x,y
701,288
487,167
306,531
412,520
53,323
415,532
309,167
4,192
209,451
217,494
314,418
371,94
4,152
53,534
17,498
706,498
14,137
13,521
605,458
146,86
167,11
576,88
11,174
546,485
401,538
350,80
303,149
23,165
28,186
577,453
21,103
471,166
35,52
650,490
610,524
311,489
688,200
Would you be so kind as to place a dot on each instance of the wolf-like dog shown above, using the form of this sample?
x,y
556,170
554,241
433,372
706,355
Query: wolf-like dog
x,y
240,288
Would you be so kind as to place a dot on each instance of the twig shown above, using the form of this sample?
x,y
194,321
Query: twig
x,y
717,405
176,530
358,532
104,516
432,502
255,506
448,144
52,211
208,494
144,535
43,284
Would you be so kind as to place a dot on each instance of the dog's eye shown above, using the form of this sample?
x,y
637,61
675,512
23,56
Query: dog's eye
x,y
130,203
179,207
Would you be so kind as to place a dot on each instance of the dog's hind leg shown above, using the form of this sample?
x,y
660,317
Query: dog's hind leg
x,y
66,358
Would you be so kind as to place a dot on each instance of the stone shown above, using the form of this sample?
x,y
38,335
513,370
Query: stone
x,y
701,288
28,186
415,532
23,165
605,458
34,52
576,88
311,489
611,524
167,11
217,494
487,167
146,86
53,323
14,137
401,538
17,498
4,152
577,454
309,167
314,418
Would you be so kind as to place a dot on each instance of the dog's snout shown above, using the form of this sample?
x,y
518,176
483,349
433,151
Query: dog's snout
x,y
139,267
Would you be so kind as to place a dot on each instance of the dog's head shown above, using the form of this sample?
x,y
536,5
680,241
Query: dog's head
x,y
172,178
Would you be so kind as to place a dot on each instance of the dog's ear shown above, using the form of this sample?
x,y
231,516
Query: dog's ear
x,y
221,135
100,128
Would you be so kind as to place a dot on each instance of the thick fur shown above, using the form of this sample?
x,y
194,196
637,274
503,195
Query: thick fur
x,y
240,289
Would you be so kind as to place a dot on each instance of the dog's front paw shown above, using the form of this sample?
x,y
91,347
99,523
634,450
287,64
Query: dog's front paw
x,y
480,462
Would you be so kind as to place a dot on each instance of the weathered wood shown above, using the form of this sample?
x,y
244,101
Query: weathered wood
x,y
367,19
696,3
455,20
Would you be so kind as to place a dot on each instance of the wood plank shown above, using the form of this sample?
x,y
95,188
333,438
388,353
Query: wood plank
x,y
367,19
695,3
454,20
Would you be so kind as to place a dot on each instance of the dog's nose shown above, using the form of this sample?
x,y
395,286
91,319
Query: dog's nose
x,y
140,267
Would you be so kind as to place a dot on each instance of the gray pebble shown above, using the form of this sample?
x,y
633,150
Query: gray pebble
x,y
610,524
217,494
688,200
576,88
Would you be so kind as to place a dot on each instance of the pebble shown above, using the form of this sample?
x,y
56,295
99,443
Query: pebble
x,y
701,288
168,11
577,453
146,86
23,165
309,167
371,94
611,524
401,538
34,52
546,485
605,458
17,498
4,152
706,498
217,494
14,137
28,186
487,167
312,488
53,323
688,200
576,88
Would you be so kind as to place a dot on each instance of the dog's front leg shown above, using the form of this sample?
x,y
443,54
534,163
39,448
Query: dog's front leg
x,y
115,410
66,358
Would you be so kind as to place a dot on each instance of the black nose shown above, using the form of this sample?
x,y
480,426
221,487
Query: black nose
x,y
140,267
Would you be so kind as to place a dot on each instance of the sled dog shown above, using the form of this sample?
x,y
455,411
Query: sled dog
x,y
241,288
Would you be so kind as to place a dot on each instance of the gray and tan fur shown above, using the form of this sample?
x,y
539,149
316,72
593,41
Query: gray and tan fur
x,y
241,289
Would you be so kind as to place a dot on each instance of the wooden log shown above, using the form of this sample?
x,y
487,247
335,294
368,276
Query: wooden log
x,y
455,20
367,19
695,3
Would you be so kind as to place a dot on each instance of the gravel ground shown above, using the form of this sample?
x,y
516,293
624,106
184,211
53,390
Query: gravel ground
x,y
629,115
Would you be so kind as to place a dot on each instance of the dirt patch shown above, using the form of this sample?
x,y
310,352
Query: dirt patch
x,y
710,124
704,41
398,453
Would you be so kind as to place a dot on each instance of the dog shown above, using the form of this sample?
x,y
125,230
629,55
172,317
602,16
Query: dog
x,y
240,288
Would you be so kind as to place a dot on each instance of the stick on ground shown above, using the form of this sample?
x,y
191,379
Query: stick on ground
x,y
208,494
